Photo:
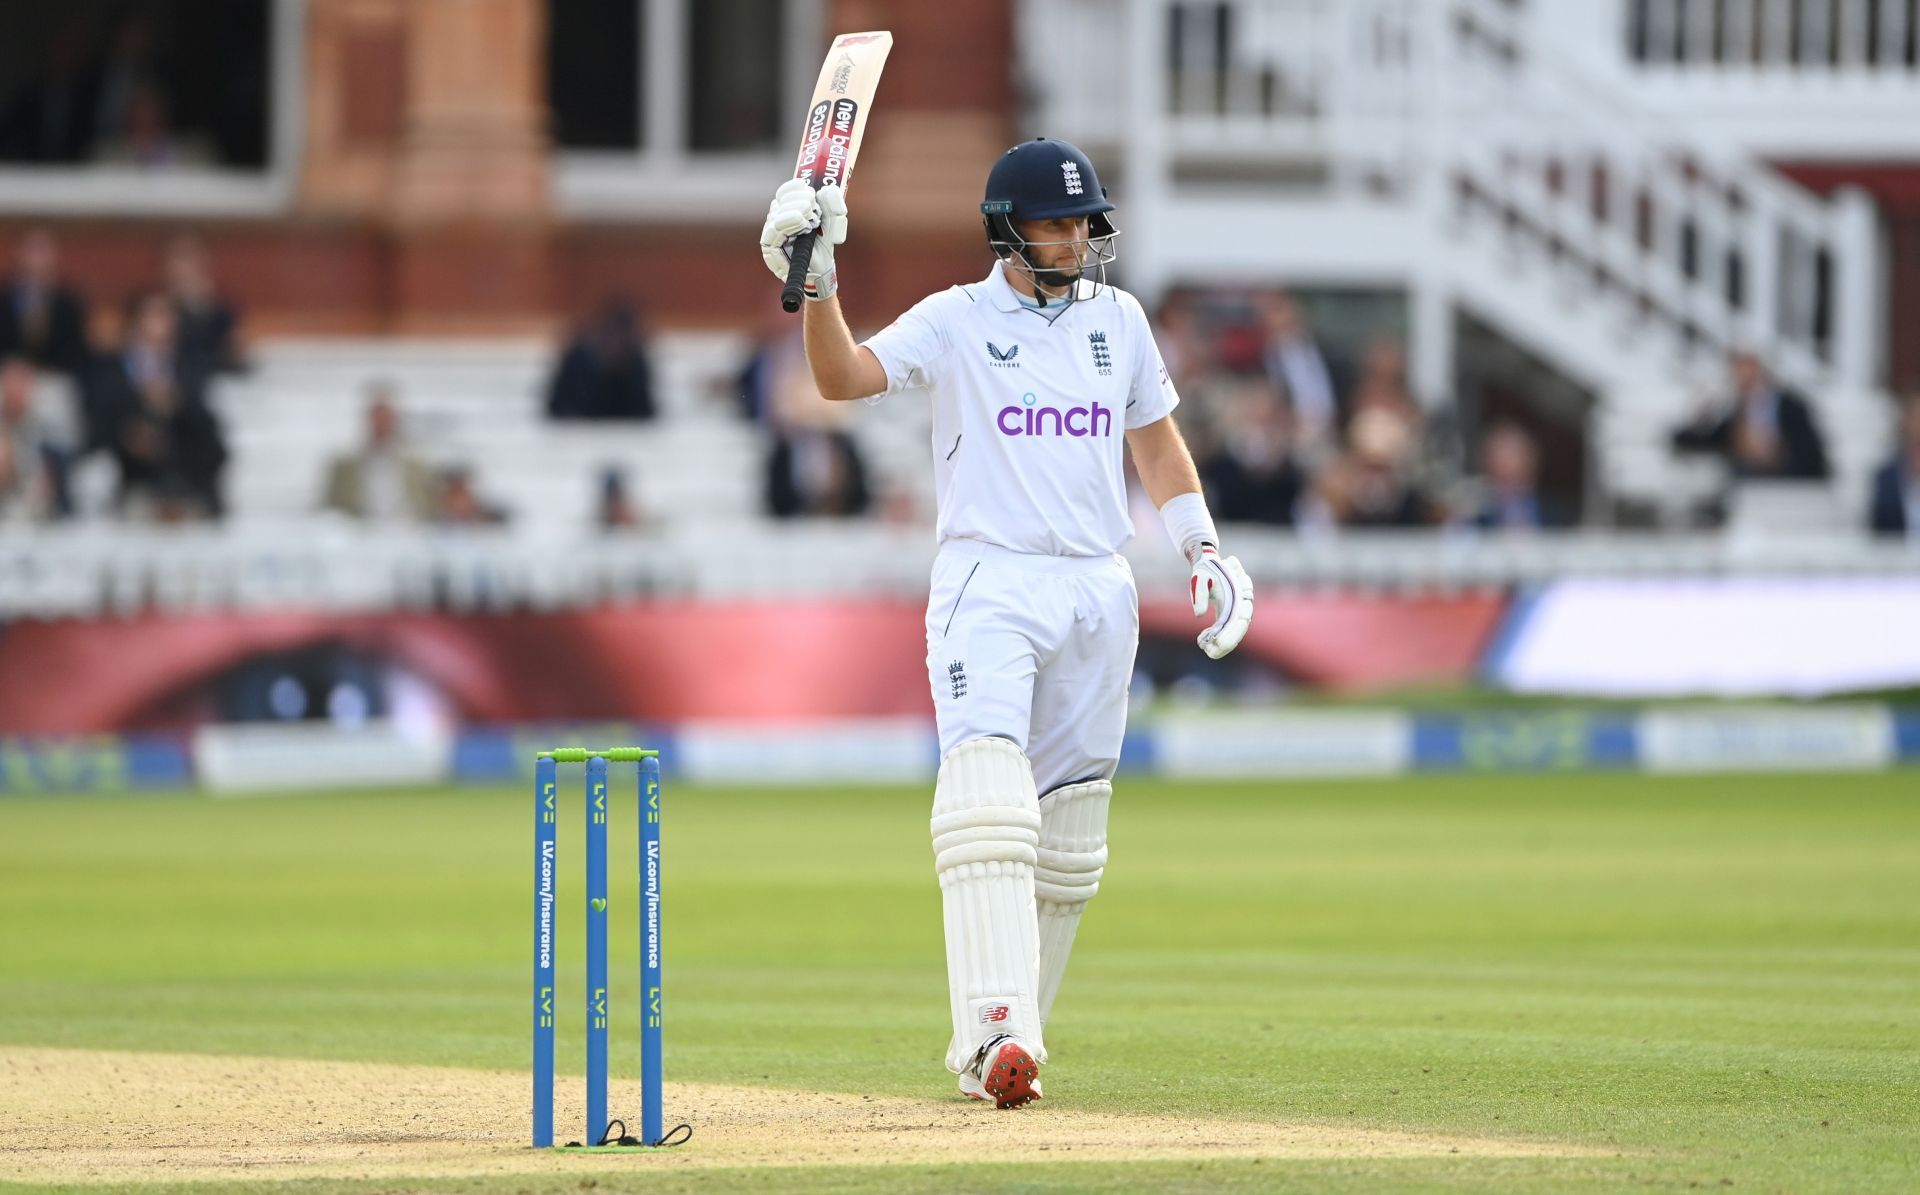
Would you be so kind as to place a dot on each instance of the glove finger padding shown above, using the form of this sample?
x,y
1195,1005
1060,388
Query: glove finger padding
x,y
832,214
794,210
797,208
1229,590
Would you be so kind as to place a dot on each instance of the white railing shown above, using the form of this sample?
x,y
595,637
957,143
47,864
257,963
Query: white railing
x,y
1519,130
104,571
1695,240
1807,36
1240,77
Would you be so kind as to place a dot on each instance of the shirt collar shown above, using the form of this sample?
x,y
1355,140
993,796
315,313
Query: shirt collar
x,y
1004,297
1000,290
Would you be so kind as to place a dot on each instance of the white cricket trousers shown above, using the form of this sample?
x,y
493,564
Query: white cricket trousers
x,y
1035,649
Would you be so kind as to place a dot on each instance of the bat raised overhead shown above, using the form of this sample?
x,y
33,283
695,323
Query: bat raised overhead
x,y
836,119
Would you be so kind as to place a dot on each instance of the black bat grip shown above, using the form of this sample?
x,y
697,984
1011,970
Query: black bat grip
x,y
795,289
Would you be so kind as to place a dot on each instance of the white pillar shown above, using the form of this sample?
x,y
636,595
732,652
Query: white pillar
x,y
1859,268
1430,336
1144,211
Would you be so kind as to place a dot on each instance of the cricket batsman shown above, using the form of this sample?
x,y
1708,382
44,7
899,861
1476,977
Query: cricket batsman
x,y
1035,372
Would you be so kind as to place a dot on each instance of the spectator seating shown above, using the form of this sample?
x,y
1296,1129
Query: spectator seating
x,y
479,404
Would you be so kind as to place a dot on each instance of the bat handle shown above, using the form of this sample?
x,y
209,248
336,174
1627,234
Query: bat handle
x,y
795,289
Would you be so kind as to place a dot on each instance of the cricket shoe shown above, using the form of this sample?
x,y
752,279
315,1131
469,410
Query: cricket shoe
x,y
1004,1071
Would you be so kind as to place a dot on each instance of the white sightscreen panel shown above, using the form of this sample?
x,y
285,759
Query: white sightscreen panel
x,y
1732,637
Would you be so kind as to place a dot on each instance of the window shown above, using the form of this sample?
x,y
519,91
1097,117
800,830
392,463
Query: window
x,y
676,107
735,84
593,73
147,105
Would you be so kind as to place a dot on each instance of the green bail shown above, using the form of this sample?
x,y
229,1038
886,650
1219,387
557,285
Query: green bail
x,y
610,754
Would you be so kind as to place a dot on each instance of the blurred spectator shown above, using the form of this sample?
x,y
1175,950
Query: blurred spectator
x,y
207,321
1294,362
604,374
776,388
39,318
617,511
1370,484
813,466
50,119
1896,485
1252,477
381,482
1184,347
148,140
148,356
779,355
127,70
459,504
33,468
168,444
1382,383
816,471
1767,431
1510,467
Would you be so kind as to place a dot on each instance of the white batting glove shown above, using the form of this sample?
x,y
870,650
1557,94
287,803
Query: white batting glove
x,y
1221,584
797,208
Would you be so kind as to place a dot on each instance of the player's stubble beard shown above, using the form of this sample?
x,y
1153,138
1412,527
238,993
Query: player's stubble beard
x,y
1056,279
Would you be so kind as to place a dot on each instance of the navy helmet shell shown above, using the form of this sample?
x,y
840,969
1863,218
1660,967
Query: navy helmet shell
x,y
1044,178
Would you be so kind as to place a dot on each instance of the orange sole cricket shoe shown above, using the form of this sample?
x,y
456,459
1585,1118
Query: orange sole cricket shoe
x,y
1007,1075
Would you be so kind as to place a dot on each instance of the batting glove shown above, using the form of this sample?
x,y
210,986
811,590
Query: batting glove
x,y
798,208
1221,584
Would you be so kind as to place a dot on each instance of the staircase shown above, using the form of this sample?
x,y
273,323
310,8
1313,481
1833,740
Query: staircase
x,y
1464,150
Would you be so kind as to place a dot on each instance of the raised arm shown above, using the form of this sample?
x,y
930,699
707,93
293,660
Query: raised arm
x,y
842,370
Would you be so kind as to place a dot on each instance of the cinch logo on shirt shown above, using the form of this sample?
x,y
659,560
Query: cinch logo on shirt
x,y
1031,420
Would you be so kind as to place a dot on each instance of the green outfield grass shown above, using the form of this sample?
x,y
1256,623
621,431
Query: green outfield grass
x,y
1714,980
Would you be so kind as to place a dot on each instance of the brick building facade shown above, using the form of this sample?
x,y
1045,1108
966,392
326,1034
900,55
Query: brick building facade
x,y
424,196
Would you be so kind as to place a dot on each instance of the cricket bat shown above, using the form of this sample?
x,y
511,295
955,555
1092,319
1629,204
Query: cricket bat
x,y
836,118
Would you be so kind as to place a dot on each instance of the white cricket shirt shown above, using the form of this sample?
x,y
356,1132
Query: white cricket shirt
x,y
1029,411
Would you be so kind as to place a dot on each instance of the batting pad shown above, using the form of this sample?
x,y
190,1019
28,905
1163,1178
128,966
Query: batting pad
x,y
1070,858
986,828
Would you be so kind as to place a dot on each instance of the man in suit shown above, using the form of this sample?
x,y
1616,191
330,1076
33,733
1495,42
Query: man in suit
x,y
208,323
382,482
1294,363
1768,432
1510,469
605,373
149,408
1896,485
40,319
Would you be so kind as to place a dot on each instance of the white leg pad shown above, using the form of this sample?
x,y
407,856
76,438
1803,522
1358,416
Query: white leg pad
x,y
986,830
1069,861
